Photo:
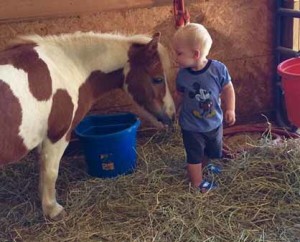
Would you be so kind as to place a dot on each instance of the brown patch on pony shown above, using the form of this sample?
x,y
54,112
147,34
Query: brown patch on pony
x,y
89,92
60,117
26,58
12,147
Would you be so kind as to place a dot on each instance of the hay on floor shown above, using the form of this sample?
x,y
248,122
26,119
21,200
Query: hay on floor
x,y
258,198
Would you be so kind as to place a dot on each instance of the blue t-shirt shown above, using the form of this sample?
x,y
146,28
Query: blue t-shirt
x,y
201,105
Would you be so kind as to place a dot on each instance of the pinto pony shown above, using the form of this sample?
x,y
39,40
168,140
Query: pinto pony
x,y
48,84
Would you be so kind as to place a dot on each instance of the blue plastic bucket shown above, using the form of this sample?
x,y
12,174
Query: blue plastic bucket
x,y
109,143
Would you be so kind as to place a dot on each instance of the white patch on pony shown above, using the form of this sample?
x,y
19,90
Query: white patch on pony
x,y
35,113
69,79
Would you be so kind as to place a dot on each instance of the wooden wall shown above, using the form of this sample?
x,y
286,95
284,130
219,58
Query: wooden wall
x,y
243,33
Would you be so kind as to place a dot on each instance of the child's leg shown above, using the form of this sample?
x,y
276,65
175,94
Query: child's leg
x,y
194,146
214,143
205,161
195,174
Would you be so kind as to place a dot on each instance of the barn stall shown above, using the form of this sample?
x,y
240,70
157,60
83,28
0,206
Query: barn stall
x,y
259,195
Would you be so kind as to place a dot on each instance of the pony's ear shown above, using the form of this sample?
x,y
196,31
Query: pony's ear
x,y
156,35
153,44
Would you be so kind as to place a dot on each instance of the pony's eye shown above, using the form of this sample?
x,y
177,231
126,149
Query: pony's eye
x,y
158,80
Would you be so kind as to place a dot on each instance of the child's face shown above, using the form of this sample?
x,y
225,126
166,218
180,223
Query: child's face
x,y
185,56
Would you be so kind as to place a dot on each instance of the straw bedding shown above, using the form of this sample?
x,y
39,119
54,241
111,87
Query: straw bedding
x,y
258,198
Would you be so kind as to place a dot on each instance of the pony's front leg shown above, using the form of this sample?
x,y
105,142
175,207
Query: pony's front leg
x,y
50,156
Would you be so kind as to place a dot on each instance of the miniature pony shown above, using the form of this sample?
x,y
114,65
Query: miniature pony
x,y
48,84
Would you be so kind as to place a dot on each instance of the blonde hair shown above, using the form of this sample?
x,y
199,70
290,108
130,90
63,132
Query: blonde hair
x,y
196,36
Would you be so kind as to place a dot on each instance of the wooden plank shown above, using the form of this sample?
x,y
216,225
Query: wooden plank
x,y
16,10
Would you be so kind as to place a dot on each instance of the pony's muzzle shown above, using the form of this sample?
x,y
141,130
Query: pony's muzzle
x,y
165,119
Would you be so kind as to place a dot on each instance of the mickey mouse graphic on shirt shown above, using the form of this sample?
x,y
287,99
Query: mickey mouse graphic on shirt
x,y
205,102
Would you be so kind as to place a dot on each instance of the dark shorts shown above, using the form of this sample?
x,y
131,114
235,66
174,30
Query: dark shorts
x,y
198,145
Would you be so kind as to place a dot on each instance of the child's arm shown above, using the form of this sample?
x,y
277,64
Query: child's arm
x,y
228,95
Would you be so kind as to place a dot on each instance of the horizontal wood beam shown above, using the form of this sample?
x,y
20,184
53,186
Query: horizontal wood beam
x,y
16,10
289,12
288,51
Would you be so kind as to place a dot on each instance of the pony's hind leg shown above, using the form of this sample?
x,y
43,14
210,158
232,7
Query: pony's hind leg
x,y
50,156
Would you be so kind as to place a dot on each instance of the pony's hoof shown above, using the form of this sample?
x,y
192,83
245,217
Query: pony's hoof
x,y
55,213
59,216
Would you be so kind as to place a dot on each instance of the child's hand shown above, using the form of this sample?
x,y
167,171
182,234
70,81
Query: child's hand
x,y
230,117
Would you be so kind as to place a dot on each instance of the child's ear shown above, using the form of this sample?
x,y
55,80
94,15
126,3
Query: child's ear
x,y
197,54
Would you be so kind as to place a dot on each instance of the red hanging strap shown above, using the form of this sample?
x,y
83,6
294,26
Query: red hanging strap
x,y
182,16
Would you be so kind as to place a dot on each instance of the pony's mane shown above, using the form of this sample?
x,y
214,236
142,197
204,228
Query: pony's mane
x,y
83,37
87,38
